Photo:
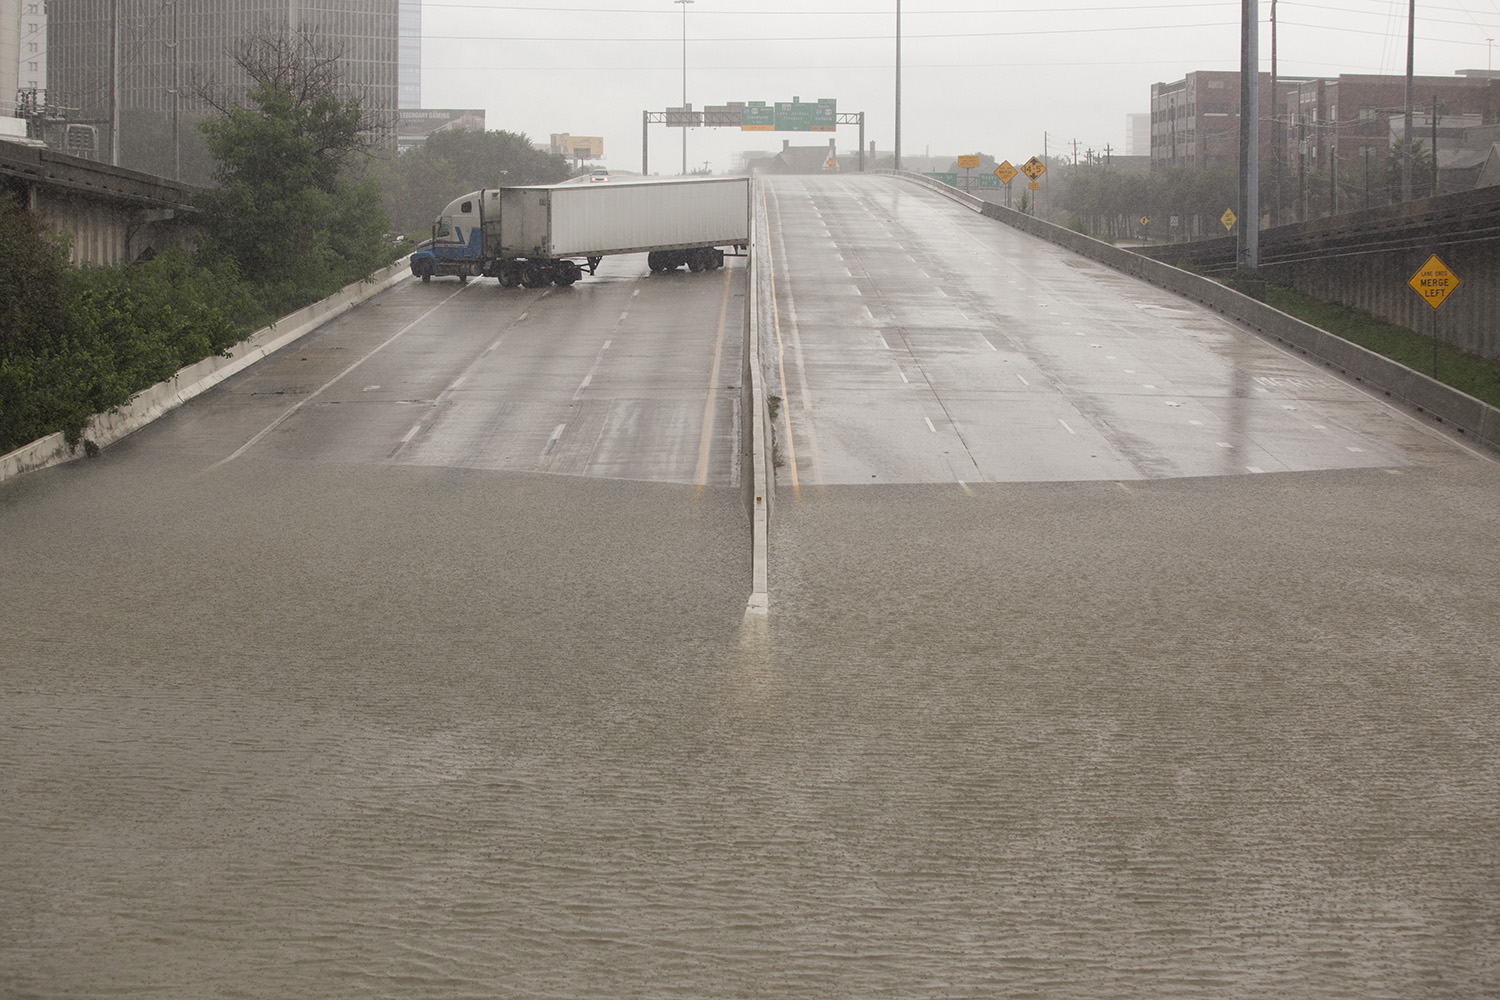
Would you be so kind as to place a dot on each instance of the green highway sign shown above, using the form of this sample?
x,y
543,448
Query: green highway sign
x,y
949,178
792,116
806,116
758,116
783,116
825,115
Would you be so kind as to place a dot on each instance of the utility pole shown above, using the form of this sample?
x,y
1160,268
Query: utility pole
x,y
1411,61
1333,176
176,91
1248,248
114,83
898,85
1276,141
1301,168
686,116
1434,146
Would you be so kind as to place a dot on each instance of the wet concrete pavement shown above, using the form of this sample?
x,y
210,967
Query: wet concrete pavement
x,y
916,341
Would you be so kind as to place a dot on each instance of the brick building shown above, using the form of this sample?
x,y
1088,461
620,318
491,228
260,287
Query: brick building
x,y
1349,120
1195,122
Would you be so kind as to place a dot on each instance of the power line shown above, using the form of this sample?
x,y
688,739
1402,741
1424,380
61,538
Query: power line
x,y
825,38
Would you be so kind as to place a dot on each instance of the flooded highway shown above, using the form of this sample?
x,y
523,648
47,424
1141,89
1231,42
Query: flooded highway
x,y
354,677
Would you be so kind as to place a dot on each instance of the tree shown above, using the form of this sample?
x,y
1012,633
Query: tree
x,y
417,184
1421,170
32,328
285,208
77,341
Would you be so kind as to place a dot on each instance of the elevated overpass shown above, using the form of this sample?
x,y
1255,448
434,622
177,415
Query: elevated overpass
x,y
112,214
1113,649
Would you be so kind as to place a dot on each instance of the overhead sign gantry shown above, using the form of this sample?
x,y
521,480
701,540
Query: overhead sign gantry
x,y
755,116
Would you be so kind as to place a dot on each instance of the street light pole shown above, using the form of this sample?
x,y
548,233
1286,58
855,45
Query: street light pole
x,y
1411,60
898,85
1247,251
684,5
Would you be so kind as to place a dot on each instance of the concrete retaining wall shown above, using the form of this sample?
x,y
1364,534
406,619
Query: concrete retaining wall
x,y
1470,416
148,404
1365,258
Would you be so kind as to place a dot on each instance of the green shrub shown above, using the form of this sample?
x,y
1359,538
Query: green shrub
x,y
75,342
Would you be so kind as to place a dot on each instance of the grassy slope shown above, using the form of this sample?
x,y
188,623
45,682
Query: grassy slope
x,y
1470,373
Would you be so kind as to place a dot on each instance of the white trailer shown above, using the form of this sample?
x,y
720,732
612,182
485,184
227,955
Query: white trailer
x,y
537,235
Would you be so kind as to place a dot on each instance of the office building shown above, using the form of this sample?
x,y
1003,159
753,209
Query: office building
x,y
131,68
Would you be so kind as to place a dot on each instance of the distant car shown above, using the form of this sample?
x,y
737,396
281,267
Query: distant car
x,y
599,174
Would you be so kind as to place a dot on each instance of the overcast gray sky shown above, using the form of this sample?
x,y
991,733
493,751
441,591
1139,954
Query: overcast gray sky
x,y
977,75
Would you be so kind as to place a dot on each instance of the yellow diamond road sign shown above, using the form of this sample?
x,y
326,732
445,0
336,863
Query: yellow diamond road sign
x,y
1434,282
1006,172
1228,218
1033,168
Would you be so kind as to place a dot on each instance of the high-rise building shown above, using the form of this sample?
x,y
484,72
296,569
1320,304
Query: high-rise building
x,y
1138,134
410,83
10,37
133,68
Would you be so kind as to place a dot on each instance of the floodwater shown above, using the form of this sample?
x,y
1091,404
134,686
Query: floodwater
x,y
303,730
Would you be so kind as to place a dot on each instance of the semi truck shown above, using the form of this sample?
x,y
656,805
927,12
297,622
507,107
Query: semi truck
x,y
547,234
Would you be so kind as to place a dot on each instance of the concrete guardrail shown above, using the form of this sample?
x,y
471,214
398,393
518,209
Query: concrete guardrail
x,y
756,430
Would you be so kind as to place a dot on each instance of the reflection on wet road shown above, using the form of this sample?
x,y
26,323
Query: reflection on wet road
x,y
920,342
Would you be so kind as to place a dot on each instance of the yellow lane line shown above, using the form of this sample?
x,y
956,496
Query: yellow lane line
x,y
713,390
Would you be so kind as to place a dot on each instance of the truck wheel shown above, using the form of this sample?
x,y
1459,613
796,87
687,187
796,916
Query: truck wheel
x,y
567,272
423,271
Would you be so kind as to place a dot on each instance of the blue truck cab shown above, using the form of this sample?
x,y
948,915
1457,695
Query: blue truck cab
x,y
457,243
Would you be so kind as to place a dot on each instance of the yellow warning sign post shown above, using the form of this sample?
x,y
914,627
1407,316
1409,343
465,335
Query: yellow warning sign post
x,y
1033,168
1006,173
1434,282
